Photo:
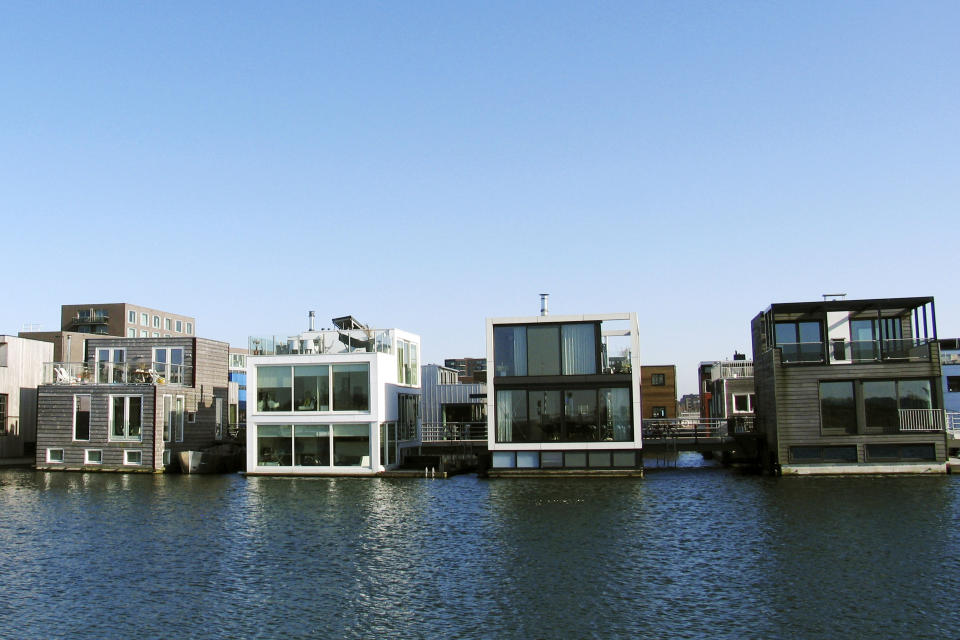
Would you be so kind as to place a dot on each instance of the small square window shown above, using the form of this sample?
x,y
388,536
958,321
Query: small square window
x,y
741,403
132,456
55,455
93,456
658,379
659,412
191,416
953,384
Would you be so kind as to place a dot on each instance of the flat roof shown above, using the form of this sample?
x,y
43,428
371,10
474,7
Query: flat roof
x,y
884,304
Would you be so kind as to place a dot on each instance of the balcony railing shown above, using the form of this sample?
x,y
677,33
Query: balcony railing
x,y
953,423
913,420
735,370
132,372
912,350
801,352
687,429
453,431
322,342
10,426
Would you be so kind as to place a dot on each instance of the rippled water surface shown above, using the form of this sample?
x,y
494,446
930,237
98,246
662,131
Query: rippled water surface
x,y
683,553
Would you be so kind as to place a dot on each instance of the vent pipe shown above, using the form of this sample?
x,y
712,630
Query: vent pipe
x,y
313,316
544,304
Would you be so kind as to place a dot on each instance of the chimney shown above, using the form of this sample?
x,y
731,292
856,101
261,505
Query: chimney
x,y
313,316
544,307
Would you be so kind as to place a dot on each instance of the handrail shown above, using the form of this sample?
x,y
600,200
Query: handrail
x,y
922,420
690,429
453,431
103,372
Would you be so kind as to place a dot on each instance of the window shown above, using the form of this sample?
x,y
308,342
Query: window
x,y
218,418
953,384
408,365
568,415
659,412
925,451
144,333
92,456
800,341
838,411
743,402
191,417
166,457
81,417
111,366
3,354
55,456
4,428
578,342
178,419
131,333
510,351
658,379
543,350
843,453
168,324
273,388
341,445
179,326
126,415
168,362
156,334
168,417
311,388
546,349
880,405
156,322
132,317
351,387
190,328
145,319
132,457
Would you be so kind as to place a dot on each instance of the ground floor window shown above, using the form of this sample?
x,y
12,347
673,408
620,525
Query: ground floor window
x,y
55,455
564,415
132,456
841,453
126,417
93,456
566,459
901,452
337,445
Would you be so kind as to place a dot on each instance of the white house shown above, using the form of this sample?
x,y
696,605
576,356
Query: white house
x,y
343,401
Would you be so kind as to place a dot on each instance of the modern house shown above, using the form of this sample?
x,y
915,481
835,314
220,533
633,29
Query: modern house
x,y
564,394
237,390
950,361
21,372
658,386
731,388
343,401
452,409
132,404
850,386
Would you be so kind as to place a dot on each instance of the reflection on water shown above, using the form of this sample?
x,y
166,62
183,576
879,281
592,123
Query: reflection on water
x,y
682,553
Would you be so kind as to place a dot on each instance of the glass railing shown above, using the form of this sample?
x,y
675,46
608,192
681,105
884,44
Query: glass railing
x,y
805,352
877,350
133,372
332,341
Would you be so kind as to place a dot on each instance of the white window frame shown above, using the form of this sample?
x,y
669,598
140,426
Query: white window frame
x,y
144,319
168,324
127,452
51,460
156,334
167,354
131,333
132,316
156,322
733,400
166,429
86,456
126,412
178,326
189,328
113,351
166,457
179,408
76,398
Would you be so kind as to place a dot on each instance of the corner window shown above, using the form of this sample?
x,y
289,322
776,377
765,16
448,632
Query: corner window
x,y
55,456
132,457
408,362
81,417
658,380
93,456
800,341
126,415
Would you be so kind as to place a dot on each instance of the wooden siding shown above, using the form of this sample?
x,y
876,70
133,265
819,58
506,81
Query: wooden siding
x,y
660,395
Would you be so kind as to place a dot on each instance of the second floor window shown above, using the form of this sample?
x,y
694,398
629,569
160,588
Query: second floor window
x,y
658,379
126,415
545,349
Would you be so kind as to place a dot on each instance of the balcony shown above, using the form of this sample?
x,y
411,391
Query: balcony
x,y
920,420
453,432
856,351
335,341
133,372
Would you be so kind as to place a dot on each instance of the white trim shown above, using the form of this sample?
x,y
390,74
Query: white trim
x,y
86,456
180,406
126,414
126,452
51,461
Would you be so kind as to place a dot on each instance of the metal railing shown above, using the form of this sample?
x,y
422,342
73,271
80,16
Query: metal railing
x,y
734,370
327,341
953,422
453,431
922,420
132,372
693,430
806,352
10,426
877,350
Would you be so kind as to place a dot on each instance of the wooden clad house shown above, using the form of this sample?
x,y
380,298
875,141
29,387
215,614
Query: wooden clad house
x,y
132,404
850,386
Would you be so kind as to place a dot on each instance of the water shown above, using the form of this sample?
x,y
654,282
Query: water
x,y
685,553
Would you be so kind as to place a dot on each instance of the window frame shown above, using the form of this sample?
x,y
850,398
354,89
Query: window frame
x,y
50,460
156,321
76,398
658,379
126,454
86,456
144,319
111,437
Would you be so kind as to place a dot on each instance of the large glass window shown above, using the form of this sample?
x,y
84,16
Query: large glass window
x,y
579,348
274,445
311,445
311,388
545,417
110,366
351,445
168,363
511,415
126,417
880,405
580,415
510,351
351,387
274,386
615,422
800,341
838,411
543,350
81,417
915,394
569,415
408,362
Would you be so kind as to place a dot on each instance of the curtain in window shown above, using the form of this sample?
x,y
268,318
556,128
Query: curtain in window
x,y
504,416
579,349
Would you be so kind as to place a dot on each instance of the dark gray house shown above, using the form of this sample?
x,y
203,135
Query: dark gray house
x,y
850,386
132,404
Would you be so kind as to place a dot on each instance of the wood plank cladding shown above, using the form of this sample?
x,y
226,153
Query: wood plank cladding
x,y
653,396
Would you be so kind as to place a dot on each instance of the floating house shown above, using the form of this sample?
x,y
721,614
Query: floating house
x,y
340,401
132,404
850,386
21,373
564,394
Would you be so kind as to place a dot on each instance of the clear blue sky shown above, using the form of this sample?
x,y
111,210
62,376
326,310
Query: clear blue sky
x,y
426,165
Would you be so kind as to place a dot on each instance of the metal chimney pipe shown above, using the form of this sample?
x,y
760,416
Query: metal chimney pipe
x,y
313,317
544,306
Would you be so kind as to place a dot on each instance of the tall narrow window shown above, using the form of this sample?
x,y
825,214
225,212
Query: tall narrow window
x,y
167,417
81,417
4,426
218,418
145,319
838,411
156,322
543,350
189,328
579,349
178,419
126,413
510,351
179,326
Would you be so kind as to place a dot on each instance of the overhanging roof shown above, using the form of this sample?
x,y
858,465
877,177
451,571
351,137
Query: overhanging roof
x,y
872,304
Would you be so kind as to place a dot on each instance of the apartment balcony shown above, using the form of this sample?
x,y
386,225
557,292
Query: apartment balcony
x,y
133,372
855,351
924,420
90,319
453,431
334,341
